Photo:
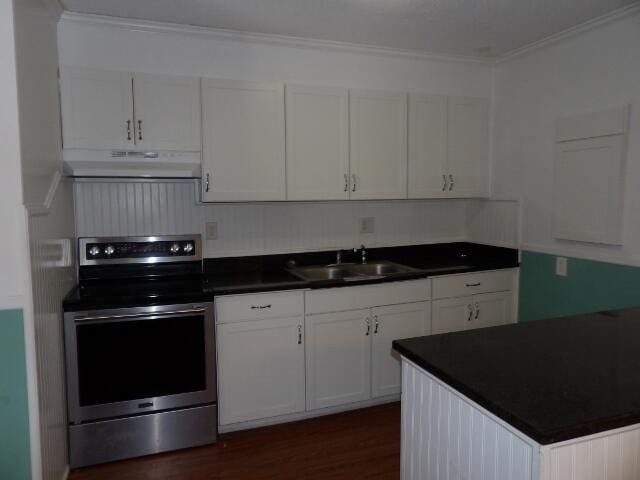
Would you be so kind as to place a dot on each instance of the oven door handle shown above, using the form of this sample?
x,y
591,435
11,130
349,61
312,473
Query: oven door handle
x,y
139,315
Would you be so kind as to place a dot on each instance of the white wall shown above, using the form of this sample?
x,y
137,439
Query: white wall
x,y
48,222
110,209
12,278
143,47
105,208
595,69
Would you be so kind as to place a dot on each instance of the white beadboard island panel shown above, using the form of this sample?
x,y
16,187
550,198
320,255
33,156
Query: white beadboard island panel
x,y
612,455
445,436
120,208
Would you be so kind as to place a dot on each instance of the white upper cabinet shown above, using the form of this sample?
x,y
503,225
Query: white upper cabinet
x,y
468,146
167,112
97,109
243,141
378,135
428,147
317,121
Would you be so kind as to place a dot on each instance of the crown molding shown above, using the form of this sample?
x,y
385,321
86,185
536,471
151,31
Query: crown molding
x,y
262,38
612,16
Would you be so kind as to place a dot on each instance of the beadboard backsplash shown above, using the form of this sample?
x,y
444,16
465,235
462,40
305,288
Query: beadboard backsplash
x,y
111,208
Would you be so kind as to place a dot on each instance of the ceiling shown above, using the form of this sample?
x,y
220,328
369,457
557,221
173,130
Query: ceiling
x,y
477,28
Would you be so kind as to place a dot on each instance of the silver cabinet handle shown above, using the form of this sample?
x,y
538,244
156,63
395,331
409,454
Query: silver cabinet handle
x,y
477,284
259,307
355,183
444,183
470,308
206,188
128,129
368,326
375,319
139,129
299,334
477,310
346,182
451,182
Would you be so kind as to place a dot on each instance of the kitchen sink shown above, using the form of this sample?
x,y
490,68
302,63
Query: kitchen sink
x,y
351,271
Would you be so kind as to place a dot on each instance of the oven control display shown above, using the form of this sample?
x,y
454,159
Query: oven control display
x,y
182,248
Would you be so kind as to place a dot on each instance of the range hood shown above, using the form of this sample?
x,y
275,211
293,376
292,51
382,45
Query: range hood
x,y
131,164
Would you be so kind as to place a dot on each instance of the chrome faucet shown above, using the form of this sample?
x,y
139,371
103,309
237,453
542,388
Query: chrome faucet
x,y
363,253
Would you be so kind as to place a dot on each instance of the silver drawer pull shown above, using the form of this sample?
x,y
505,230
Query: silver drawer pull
x,y
474,284
477,311
470,308
299,334
259,307
368,326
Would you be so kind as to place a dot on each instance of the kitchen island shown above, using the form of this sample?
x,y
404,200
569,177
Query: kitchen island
x,y
554,399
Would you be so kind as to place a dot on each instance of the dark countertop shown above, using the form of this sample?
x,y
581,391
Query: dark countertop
x,y
262,273
553,380
234,275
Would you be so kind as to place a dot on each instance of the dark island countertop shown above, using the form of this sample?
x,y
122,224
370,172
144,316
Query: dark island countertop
x,y
553,380
250,274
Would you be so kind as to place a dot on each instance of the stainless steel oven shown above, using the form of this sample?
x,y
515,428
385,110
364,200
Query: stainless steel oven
x,y
129,361
140,349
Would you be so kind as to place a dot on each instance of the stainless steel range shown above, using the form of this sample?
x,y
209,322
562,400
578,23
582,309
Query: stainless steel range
x,y
140,349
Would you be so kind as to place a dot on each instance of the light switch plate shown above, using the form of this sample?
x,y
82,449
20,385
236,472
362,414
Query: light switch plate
x,y
561,266
212,230
367,225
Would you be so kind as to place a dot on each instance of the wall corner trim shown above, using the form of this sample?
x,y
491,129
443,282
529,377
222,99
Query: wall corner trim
x,y
34,210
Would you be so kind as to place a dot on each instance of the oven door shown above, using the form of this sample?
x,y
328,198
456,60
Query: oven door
x,y
137,360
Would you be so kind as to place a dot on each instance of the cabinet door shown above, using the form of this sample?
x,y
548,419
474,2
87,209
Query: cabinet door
x,y
260,369
167,112
97,109
468,146
317,143
338,358
427,177
243,141
491,309
451,314
378,129
394,323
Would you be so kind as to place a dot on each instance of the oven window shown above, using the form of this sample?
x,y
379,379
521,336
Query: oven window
x,y
134,359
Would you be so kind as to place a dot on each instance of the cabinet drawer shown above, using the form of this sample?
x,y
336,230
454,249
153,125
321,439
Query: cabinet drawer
x,y
366,296
256,306
472,283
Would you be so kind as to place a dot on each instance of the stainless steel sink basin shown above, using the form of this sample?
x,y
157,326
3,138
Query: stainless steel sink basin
x,y
351,272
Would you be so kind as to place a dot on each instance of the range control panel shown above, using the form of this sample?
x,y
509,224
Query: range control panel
x,y
156,249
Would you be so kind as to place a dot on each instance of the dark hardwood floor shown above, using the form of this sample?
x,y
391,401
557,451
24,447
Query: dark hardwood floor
x,y
363,444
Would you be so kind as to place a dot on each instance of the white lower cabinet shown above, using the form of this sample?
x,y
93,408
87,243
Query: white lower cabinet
x,y
392,323
338,358
476,311
261,369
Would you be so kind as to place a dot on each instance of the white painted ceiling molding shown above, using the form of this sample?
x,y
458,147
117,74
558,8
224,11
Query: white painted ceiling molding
x,y
261,38
618,14
299,42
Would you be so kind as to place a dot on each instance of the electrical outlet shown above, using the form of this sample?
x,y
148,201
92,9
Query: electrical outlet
x,y
212,230
561,266
367,225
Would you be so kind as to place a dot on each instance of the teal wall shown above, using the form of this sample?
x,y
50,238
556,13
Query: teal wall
x,y
15,460
589,287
